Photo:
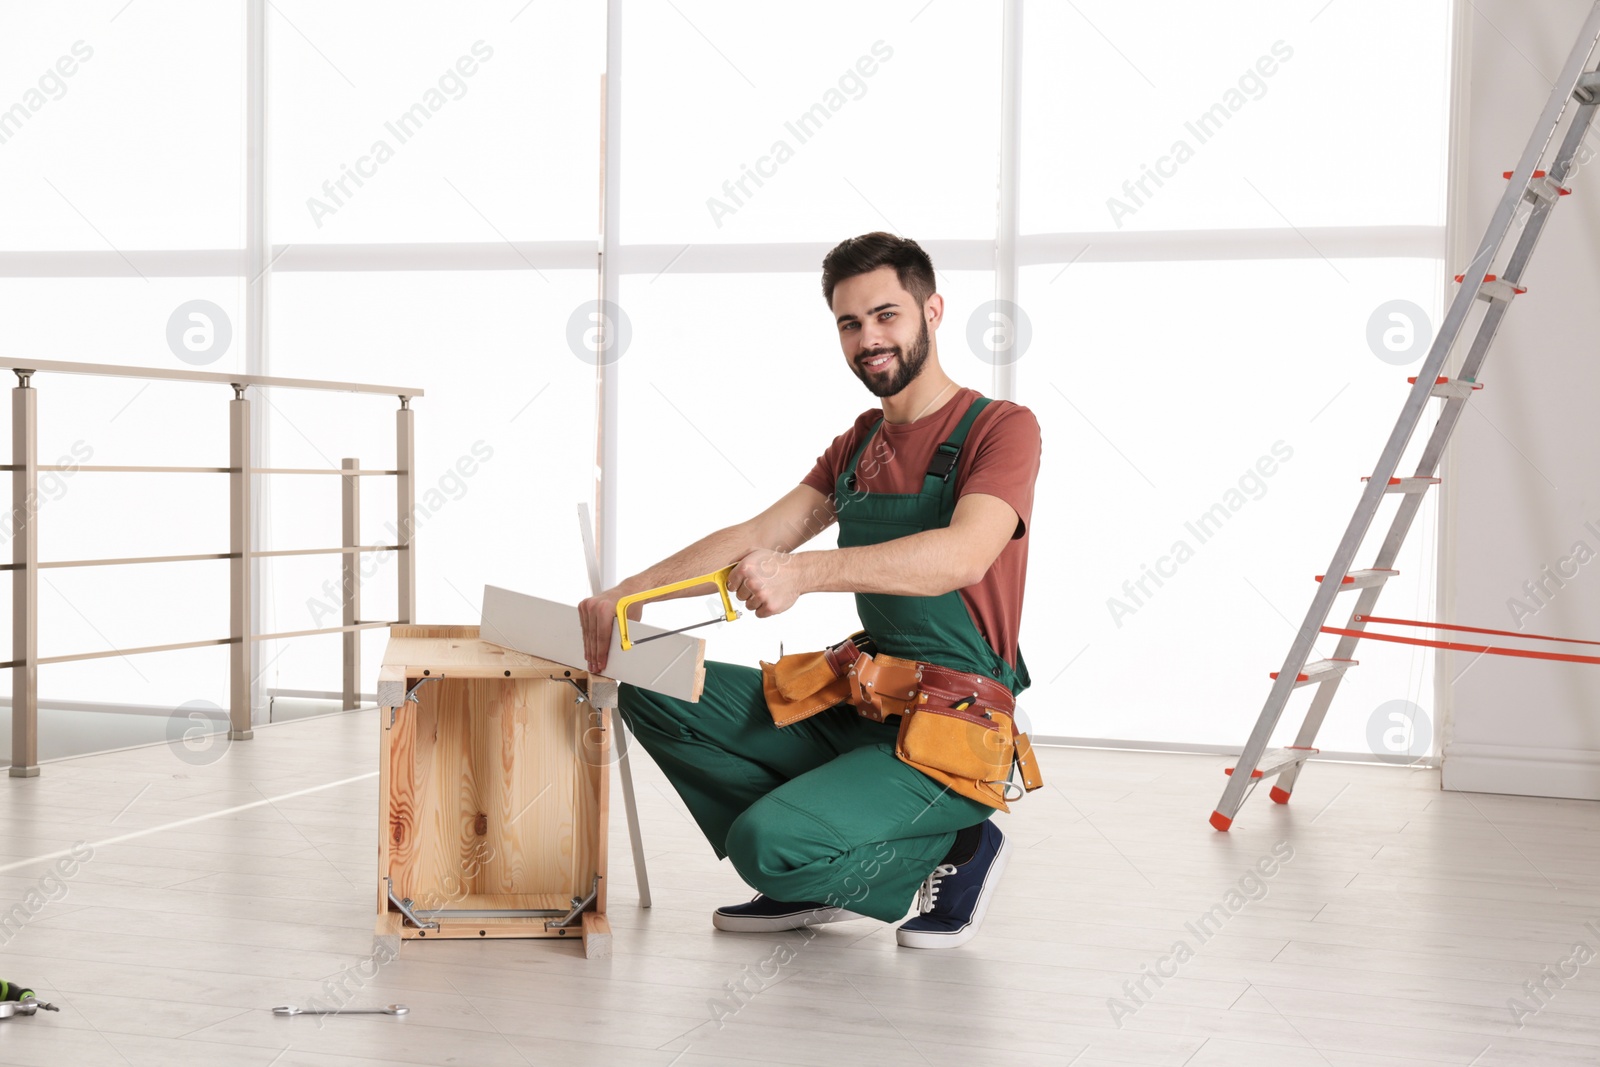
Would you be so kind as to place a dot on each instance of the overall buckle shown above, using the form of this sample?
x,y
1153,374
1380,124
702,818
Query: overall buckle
x,y
941,463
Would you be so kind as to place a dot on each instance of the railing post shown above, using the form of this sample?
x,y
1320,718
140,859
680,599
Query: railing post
x,y
25,579
350,572
405,509
241,653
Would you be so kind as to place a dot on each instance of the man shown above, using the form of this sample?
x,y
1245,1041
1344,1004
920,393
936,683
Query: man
x,y
822,816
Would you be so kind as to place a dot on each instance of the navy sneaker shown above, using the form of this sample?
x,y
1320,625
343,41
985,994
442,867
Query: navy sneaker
x,y
953,899
763,914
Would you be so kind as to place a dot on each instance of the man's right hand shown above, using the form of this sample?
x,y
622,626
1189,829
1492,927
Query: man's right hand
x,y
599,617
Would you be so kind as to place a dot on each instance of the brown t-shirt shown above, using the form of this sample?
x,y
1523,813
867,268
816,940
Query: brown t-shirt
x,y
1000,457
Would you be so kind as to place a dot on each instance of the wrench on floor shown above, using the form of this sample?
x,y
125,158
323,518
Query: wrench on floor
x,y
392,1009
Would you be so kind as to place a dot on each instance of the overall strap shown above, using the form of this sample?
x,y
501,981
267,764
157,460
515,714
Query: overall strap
x,y
943,460
848,475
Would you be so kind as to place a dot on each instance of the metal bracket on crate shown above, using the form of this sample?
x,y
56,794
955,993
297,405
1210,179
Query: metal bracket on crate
x,y
571,918
404,906
555,918
411,695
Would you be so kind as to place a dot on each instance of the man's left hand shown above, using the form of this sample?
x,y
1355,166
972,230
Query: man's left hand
x,y
767,581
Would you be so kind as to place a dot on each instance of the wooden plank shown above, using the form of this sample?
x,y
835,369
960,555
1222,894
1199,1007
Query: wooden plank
x,y
400,825
603,691
595,746
596,933
391,689
470,656
403,629
533,757
674,665
439,720
486,929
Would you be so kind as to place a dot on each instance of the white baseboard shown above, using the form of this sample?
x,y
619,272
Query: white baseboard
x,y
1527,772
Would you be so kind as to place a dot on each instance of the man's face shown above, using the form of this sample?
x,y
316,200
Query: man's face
x,y
883,333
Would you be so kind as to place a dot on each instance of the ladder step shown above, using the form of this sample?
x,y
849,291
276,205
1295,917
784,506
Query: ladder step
x,y
1363,579
1320,671
1452,388
1584,91
1407,485
1545,190
1280,759
1496,288
1542,187
1274,760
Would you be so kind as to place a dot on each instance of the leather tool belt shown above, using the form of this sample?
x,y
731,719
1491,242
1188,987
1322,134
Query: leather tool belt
x,y
971,750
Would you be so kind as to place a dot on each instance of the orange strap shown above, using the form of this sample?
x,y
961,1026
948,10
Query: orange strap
x,y
1472,629
1458,647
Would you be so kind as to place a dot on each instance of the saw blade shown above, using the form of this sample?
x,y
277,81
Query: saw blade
x,y
679,630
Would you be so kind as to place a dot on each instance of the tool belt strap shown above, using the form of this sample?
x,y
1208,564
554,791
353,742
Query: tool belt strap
x,y
889,685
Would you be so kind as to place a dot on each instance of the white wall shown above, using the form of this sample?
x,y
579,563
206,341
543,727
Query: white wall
x,y
1521,472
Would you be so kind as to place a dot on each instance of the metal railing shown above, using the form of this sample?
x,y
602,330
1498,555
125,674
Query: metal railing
x,y
25,468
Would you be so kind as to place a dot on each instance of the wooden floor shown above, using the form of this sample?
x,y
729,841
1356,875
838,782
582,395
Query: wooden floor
x,y
1397,933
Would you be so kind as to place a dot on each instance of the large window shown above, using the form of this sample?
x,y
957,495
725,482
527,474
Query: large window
x,y
1215,218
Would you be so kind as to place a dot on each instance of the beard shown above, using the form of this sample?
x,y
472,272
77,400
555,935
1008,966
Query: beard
x,y
901,372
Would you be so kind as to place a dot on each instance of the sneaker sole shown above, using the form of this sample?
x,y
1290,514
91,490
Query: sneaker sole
x,y
927,939
753,924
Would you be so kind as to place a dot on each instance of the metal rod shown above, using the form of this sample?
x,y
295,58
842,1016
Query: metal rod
x,y
241,656
117,562
314,470
76,468
350,578
630,803
347,549
641,876
247,492
25,584
405,489
607,370
1005,266
112,370
111,652
373,624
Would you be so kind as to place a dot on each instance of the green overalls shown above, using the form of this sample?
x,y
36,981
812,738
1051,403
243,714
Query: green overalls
x,y
822,810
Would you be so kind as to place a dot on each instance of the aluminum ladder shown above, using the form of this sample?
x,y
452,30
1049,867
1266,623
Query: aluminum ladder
x,y
1539,188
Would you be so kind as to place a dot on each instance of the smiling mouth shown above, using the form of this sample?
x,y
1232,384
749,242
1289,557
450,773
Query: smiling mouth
x,y
878,362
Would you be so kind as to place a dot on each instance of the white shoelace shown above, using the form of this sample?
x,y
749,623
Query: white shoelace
x,y
930,887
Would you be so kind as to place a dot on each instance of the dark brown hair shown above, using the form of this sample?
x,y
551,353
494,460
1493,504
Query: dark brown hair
x,y
860,255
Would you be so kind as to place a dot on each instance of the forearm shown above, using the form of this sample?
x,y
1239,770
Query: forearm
x,y
927,563
710,553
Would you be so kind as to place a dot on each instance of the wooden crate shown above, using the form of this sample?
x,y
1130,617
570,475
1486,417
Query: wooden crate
x,y
493,791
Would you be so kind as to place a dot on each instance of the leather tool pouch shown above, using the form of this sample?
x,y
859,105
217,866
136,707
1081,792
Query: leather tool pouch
x,y
883,685
801,684
970,750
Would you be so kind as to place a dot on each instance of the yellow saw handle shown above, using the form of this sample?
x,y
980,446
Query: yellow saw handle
x,y
720,577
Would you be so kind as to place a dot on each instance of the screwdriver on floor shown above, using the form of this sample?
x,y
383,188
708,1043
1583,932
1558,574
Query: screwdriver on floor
x,y
26,1000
